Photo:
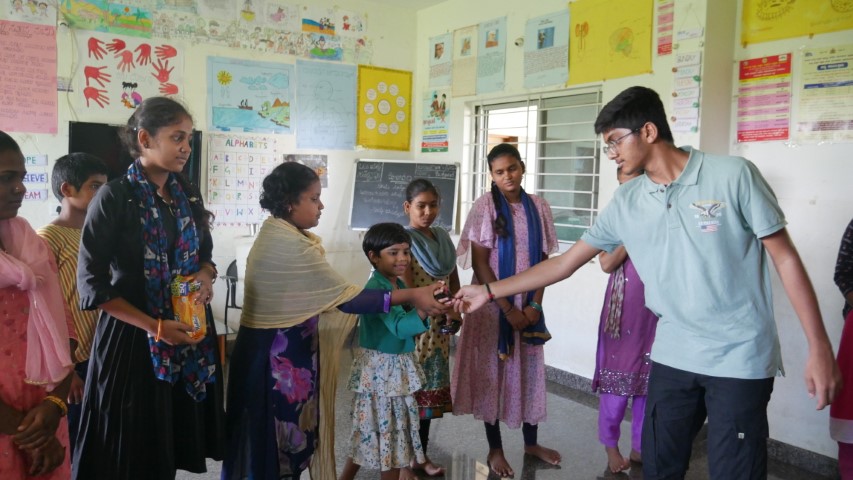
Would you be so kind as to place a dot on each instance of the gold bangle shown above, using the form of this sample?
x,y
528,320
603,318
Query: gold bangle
x,y
63,408
159,329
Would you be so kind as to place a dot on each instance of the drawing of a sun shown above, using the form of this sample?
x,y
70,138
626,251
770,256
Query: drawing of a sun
x,y
224,77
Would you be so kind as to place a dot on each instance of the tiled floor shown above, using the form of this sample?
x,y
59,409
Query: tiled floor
x,y
459,444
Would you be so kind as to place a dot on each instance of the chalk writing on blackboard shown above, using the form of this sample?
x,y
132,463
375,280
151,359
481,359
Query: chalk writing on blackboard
x,y
380,185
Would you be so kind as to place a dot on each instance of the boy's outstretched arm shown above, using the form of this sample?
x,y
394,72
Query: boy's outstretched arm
x,y
472,297
823,380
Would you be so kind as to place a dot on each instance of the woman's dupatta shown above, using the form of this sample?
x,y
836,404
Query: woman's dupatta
x,y
288,281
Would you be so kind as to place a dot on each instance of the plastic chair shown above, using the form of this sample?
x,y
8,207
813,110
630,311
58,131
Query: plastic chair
x,y
230,278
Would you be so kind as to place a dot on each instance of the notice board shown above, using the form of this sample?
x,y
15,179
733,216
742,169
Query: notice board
x,y
379,191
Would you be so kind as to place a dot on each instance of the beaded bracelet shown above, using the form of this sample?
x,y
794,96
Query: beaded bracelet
x,y
535,306
63,408
489,291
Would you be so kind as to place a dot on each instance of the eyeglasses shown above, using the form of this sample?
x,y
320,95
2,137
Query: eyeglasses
x,y
613,145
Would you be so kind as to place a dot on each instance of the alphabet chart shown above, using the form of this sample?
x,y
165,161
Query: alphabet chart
x,y
237,165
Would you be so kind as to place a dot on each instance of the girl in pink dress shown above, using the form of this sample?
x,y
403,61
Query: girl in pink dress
x,y
500,368
34,340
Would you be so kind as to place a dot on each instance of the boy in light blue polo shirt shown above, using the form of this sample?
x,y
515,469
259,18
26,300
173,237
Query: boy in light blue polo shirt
x,y
697,227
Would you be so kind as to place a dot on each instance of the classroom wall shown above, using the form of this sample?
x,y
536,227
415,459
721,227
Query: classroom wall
x,y
391,30
809,180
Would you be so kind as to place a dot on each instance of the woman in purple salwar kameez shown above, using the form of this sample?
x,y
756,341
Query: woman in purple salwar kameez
x,y
622,363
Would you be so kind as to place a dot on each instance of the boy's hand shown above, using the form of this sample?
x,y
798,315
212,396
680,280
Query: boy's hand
x,y
823,379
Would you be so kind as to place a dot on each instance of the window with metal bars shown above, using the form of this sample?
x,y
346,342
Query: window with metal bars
x,y
554,134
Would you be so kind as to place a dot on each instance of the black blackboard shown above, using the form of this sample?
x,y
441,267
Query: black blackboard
x,y
379,191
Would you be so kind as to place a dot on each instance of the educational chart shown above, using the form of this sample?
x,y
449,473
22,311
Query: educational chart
x,y
236,167
825,109
546,50
249,96
765,20
37,179
318,163
764,99
436,108
687,74
384,108
440,60
491,64
464,81
612,38
665,13
124,17
28,78
325,100
116,73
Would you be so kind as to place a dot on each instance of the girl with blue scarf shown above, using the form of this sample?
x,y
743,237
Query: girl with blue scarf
x,y
500,365
433,260
154,402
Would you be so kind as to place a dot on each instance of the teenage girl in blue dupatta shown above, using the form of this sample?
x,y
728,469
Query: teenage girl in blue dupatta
x,y
154,402
499,372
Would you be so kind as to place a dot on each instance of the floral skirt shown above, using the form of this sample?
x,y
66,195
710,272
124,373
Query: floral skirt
x,y
384,412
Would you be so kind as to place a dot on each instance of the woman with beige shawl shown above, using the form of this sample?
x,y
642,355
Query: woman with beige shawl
x,y
279,407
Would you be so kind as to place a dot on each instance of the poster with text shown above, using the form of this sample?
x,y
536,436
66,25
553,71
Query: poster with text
x,y
764,98
249,96
612,39
384,108
825,108
464,81
325,100
666,17
28,101
440,60
546,50
236,167
436,108
491,64
117,73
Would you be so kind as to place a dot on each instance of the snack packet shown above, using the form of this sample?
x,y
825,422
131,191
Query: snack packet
x,y
187,311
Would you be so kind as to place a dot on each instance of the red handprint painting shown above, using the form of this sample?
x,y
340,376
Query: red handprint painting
x,y
119,72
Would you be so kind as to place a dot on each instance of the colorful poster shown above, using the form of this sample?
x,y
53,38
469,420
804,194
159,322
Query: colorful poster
x,y
249,96
765,20
825,109
440,60
29,11
28,100
325,47
546,50
764,99
491,64
319,20
665,16
236,167
117,73
350,23
384,108
613,39
465,48
282,16
325,99
128,17
318,163
436,108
